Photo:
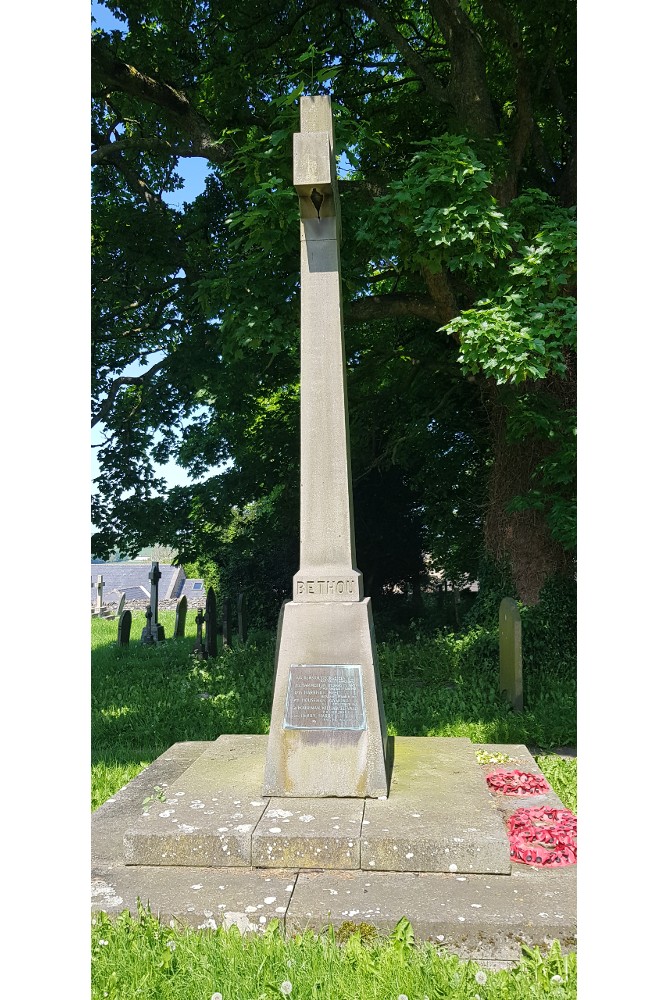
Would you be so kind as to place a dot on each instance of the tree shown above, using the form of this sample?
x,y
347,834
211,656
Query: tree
x,y
456,124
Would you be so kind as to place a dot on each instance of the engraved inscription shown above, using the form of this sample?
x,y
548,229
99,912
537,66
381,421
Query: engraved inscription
x,y
325,586
324,696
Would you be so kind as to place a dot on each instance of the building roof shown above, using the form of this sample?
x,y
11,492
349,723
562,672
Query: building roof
x,y
133,579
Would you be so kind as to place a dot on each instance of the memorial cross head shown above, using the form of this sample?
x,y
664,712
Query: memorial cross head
x,y
154,575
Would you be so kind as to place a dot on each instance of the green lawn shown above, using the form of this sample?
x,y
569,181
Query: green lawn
x,y
144,699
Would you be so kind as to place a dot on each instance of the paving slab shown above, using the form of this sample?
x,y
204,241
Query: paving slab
x,y
110,821
208,814
309,833
197,897
440,815
480,917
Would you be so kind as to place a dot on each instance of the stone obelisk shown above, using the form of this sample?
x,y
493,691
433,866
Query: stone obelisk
x,y
328,731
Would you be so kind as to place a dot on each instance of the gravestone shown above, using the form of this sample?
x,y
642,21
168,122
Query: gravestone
x,y
210,618
124,626
242,617
511,664
328,732
181,612
121,604
154,577
226,623
199,649
147,636
100,593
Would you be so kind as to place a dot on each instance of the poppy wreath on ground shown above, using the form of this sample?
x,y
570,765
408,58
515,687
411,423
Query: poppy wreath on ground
x,y
543,836
517,783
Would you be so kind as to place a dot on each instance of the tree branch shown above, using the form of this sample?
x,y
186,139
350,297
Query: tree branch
x,y
112,72
397,304
412,58
118,383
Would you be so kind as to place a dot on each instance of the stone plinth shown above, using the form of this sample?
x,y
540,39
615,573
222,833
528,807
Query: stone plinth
x,y
328,732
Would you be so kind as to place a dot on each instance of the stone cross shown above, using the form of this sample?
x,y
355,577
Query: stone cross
x,y
100,592
198,648
147,636
511,662
328,732
154,577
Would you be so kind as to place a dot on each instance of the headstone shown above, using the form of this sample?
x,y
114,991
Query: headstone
x,y
226,626
154,577
100,593
210,618
121,604
124,626
147,636
328,731
198,649
181,612
242,617
511,665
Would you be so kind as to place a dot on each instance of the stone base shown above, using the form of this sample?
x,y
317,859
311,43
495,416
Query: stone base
x,y
336,750
439,816
486,917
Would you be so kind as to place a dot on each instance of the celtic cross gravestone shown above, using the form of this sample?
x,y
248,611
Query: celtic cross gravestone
x,y
328,733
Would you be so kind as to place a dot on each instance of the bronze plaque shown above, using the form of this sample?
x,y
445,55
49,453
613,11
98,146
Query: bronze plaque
x,y
325,696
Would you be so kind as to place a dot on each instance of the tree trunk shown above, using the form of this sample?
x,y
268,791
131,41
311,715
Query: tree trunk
x,y
523,538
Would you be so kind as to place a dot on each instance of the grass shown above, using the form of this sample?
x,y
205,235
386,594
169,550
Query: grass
x,y
142,958
144,699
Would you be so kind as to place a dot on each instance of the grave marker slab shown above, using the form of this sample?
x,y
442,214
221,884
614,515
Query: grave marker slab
x,y
210,618
181,612
124,626
328,732
121,604
100,593
511,663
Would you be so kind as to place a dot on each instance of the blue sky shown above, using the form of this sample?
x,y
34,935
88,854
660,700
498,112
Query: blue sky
x,y
193,171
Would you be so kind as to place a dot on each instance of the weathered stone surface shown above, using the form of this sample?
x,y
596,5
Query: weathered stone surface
x,y
330,761
209,813
511,663
440,815
199,897
309,833
328,626
480,917
112,818
483,917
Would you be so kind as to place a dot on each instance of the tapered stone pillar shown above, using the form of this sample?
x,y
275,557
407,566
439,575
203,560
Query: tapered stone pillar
x,y
328,732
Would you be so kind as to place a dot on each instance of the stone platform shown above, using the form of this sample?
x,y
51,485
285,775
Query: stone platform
x,y
216,852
